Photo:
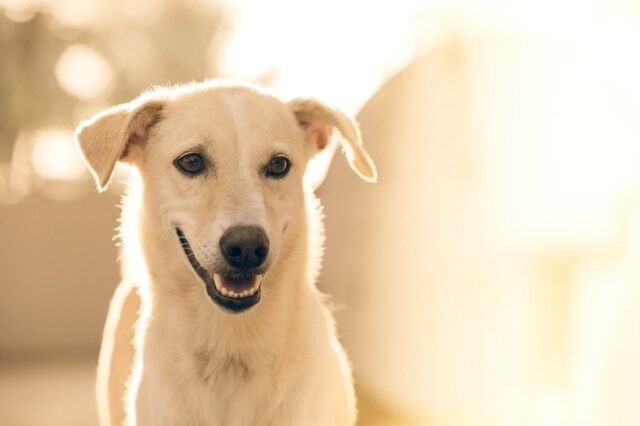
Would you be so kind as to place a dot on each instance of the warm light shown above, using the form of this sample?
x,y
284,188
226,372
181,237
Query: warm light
x,y
75,13
551,409
19,10
84,73
54,155
319,52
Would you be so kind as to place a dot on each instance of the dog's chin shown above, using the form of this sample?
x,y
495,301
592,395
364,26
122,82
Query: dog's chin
x,y
232,291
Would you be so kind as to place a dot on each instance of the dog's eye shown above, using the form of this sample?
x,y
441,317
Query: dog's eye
x,y
278,167
191,163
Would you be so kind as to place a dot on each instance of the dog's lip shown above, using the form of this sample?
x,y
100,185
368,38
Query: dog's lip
x,y
230,303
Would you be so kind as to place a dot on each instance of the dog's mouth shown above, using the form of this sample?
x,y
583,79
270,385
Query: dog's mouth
x,y
233,291
237,287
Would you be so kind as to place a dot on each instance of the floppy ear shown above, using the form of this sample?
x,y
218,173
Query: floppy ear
x,y
319,121
110,136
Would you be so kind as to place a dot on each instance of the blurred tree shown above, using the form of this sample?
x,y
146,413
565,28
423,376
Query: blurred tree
x,y
153,42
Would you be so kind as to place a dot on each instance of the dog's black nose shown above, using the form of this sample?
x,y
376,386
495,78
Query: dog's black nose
x,y
244,247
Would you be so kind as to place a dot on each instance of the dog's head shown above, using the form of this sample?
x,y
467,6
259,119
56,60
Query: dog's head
x,y
222,171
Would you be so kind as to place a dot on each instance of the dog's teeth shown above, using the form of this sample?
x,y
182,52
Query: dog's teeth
x,y
216,281
255,287
236,295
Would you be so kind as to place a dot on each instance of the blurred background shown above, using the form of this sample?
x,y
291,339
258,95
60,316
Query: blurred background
x,y
491,277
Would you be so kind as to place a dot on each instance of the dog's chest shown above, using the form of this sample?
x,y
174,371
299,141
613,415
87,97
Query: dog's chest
x,y
211,391
224,372
232,394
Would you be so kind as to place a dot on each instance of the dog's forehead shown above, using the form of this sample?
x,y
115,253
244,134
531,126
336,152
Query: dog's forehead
x,y
231,114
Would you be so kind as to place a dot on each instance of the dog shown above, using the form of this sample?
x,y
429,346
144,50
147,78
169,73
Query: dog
x,y
222,240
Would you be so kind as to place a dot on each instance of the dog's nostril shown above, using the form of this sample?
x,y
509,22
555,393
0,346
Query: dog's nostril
x,y
261,251
234,251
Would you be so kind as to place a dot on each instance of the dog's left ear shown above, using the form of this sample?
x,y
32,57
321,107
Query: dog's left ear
x,y
113,135
319,120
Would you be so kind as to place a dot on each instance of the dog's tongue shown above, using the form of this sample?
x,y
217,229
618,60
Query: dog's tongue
x,y
239,285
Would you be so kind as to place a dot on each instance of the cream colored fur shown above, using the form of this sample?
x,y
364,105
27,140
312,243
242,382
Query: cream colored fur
x,y
278,363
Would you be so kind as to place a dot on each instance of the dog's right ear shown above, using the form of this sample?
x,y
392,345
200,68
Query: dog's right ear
x,y
319,120
116,135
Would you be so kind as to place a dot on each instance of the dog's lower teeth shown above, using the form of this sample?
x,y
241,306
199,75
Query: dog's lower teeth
x,y
230,293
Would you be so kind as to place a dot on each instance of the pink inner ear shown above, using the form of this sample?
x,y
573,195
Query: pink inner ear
x,y
318,134
139,126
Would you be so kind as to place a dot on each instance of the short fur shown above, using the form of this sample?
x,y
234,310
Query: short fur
x,y
278,363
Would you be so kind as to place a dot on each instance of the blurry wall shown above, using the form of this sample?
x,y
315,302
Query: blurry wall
x,y
470,280
412,261
57,273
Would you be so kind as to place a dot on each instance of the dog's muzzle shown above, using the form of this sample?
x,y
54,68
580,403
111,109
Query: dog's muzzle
x,y
238,288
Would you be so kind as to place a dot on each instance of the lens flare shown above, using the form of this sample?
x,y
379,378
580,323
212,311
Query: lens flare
x,y
54,155
83,73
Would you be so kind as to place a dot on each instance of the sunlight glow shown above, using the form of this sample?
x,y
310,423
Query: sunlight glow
x,y
84,73
319,53
19,10
55,156
75,13
551,409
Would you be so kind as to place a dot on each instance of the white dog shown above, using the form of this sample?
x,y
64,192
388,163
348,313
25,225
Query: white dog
x,y
222,238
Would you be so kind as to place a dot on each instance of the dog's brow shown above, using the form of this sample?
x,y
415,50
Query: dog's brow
x,y
279,148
